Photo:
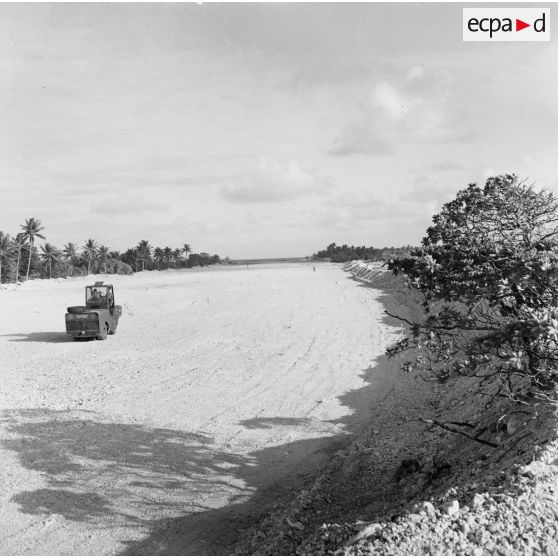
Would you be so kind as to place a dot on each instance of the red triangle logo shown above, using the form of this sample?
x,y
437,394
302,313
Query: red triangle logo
x,y
519,25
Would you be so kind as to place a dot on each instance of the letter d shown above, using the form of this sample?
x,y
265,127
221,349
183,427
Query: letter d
x,y
542,21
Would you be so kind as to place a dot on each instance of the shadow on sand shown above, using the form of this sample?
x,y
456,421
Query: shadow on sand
x,y
40,337
113,474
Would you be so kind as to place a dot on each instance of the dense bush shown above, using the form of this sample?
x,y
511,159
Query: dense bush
x,y
346,253
111,266
488,273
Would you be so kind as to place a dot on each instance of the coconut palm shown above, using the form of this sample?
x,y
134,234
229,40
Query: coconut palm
x,y
19,243
186,249
167,254
31,229
50,254
176,256
90,252
70,254
103,254
159,256
144,252
6,249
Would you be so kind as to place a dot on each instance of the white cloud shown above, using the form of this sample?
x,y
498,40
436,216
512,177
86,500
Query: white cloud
x,y
386,97
394,116
276,182
446,166
416,72
112,205
360,138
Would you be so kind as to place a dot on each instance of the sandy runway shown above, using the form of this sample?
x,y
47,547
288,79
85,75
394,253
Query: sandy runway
x,y
221,387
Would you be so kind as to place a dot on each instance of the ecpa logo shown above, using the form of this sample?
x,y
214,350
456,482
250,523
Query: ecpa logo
x,y
506,24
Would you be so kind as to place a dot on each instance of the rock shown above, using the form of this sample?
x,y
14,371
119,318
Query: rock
x,y
471,522
478,500
370,530
428,508
450,508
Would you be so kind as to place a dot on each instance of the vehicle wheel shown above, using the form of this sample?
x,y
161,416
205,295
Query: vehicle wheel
x,y
112,331
76,309
103,333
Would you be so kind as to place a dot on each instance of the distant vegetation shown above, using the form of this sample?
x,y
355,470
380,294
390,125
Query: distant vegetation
x,y
21,258
346,253
488,274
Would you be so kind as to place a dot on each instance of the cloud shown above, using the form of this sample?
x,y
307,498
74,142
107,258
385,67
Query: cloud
x,y
351,208
416,72
443,166
360,138
389,100
391,116
425,190
113,206
275,182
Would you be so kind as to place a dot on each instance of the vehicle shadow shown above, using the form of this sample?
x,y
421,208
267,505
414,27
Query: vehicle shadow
x,y
40,337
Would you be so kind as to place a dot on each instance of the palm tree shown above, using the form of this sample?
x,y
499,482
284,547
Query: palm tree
x,y
90,251
103,256
70,254
6,249
159,256
50,254
19,243
168,254
186,249
144,252
114,255
31,229
176,256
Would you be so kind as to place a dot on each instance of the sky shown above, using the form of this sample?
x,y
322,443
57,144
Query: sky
x,y
260,130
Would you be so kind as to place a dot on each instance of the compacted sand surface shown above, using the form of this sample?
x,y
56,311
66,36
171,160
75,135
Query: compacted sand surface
x,y
221,388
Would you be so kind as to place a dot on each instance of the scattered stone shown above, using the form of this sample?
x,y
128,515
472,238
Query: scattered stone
x,y
463,526
450,508
478,500
428,508
369,531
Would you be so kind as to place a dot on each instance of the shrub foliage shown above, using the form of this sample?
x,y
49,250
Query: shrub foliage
x,y
487,271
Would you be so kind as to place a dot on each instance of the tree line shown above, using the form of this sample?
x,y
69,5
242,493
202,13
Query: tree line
x,y
346,253
21,259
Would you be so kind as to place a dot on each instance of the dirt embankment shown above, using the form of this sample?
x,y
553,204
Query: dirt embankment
x,y
405,487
